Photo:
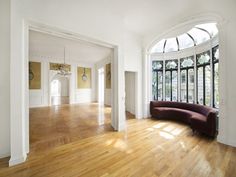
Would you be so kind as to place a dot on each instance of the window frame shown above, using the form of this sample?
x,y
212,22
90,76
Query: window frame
x,y
171,77
204,65
157,71
214,62
187,77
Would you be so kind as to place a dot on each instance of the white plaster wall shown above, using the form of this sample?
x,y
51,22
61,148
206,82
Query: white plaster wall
x,y
130,92
133,63
5,78
107,92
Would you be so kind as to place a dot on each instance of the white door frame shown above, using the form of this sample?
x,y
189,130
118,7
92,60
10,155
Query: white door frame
x,y
136,92
19,119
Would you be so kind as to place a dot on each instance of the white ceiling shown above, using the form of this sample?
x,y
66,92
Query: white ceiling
x,y
51,47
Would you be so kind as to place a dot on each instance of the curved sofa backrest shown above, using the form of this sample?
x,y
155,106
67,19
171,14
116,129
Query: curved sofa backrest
x,y
188,106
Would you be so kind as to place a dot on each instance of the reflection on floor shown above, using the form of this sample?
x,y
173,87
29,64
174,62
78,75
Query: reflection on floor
x,y
57,125
59,100
147,147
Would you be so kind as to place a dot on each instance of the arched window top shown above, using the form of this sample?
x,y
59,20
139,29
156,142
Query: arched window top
x,y
195,36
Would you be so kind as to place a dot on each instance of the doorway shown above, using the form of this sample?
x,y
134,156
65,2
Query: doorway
x,y
130,94
59,90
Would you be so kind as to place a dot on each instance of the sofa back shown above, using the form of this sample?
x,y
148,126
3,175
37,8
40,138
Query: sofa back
x,y
204,110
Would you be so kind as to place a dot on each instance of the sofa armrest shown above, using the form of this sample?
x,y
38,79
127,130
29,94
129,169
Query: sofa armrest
x,y
211,120
153,104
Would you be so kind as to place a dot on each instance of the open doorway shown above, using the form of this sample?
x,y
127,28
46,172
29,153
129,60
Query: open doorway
x,y
130,92
64,108
59,90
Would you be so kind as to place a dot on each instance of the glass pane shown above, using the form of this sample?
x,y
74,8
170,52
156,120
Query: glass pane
x,y
185,41
208,85
171,64
191,85
183,87
200,85
174,85
186,62
160,85
154,85
203,58
199,35
158,47
210,27
171,45
157,65
216,86
168,86
216,53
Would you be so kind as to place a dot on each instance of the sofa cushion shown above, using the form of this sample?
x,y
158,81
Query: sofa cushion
x,y
198,117
173,113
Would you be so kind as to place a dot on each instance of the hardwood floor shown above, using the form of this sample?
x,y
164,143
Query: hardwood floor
x,y
146,148
57,125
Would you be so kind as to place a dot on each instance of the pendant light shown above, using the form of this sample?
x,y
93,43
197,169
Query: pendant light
x,y
63,69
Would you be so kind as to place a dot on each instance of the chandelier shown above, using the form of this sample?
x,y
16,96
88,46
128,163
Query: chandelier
x,y
63,69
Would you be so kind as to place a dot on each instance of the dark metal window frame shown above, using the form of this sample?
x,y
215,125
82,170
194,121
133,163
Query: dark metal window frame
x,y
171,78
204,76
187,80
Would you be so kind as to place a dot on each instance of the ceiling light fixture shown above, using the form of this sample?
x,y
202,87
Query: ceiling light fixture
x,y
63,69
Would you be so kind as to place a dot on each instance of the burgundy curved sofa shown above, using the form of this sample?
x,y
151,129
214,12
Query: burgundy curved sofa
x,y
200,118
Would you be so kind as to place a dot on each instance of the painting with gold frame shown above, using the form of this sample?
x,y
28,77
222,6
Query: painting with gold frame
x,y
108,76
56,66
83,77
34,75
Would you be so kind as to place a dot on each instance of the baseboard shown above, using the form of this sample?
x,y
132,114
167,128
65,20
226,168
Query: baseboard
x,y
16,161
225,141
231,143
4,155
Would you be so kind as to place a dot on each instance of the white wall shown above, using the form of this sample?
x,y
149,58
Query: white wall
x,y
130,92
133,63
5,78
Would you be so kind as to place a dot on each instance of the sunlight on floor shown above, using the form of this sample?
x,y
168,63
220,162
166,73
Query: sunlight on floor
x,y
166,135
121,145
159,125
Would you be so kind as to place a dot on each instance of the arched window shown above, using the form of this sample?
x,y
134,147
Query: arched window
x,y
191,79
